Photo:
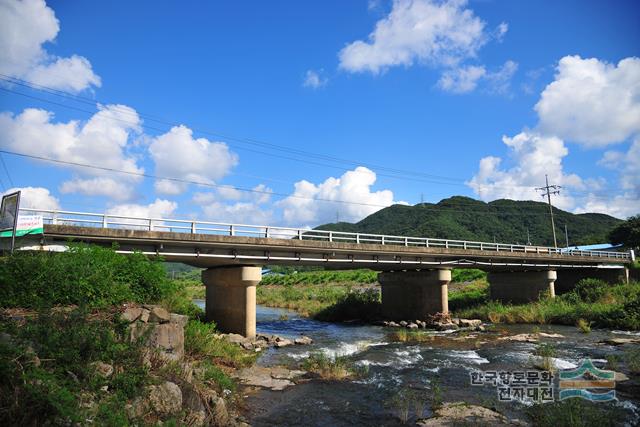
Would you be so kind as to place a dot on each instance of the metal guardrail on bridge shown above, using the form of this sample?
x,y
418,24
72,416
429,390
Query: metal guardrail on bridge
x,y
86,219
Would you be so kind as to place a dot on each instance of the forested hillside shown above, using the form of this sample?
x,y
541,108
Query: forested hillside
x,y
468,219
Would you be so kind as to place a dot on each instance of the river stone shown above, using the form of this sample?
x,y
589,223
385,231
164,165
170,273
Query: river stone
x,y
159,315
166,337
393,324
259,376
403,323
191,399
165,399
445,326
236,338
144,317
179,319
283,342
458,413
412,326
220,414
303,340
530,338
546,335
619,341
102,369
469,323
131,314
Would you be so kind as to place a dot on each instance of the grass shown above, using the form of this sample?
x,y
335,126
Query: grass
x,y
329,368
599,304
410,336
577,413
201,341
584,326
305,299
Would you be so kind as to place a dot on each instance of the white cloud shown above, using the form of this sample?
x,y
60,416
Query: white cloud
x,y
160,208
592,102
103,140
462,80
117,190
465,79
353,186
36,198
533,157
500,31
248,208
24,27
425,31
314,79
178,155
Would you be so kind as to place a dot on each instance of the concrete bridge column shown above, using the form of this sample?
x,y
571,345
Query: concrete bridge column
x,y
408,295
569,278
231,298
519,287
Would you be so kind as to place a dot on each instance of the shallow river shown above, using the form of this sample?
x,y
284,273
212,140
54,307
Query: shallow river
x,y
395,368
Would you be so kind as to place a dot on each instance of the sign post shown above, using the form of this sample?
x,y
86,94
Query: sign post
x,y
9,215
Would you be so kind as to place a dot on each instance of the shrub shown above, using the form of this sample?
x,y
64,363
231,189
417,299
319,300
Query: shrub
x,y
329,368
362,305
90,275
45,370
591,290
202,341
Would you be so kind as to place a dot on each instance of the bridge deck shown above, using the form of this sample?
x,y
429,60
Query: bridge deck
x,y
207,250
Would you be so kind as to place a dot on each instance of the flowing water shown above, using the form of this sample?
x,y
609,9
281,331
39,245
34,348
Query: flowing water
x,y
394,369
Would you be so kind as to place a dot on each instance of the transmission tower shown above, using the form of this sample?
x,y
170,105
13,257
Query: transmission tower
x,y
547,191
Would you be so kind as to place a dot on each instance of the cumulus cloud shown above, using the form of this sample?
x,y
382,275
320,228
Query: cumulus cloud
x,y
425,31
465,79
534,156
160,208
177,154
353,186
314,79
103,140
36,198
117,190
592,102
25,26
245,208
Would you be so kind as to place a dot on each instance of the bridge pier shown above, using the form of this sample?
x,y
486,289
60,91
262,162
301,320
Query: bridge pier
x,y
568,279
520,287
231,298
408,295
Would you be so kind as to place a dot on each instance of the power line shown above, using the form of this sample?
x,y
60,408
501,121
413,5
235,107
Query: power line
x,y
548,190
253,150
248,190
4,165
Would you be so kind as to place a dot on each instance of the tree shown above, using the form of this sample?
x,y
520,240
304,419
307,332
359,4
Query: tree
x,y
627,233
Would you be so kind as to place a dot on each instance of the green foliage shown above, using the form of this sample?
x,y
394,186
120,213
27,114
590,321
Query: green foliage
x,y
329,368
45,369
355,305
590,290
627,233
584,326
215,374
506,221
322,277
461,275
201,340
617,307
306,299
90,275
471,295
577,413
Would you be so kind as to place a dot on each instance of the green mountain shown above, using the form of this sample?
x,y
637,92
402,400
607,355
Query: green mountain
x,y
505,221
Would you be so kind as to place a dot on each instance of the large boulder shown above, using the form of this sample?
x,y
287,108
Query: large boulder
x,y
165,398
159,315
458,414
168,338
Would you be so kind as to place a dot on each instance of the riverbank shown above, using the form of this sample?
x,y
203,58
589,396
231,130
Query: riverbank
x,y
89,336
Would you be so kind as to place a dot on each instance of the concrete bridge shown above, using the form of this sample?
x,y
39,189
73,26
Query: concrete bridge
x,y
414,271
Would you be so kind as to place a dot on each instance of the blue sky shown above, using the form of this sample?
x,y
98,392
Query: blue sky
x,y
479,98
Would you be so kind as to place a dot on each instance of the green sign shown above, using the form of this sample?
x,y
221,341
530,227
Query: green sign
x,y
27,224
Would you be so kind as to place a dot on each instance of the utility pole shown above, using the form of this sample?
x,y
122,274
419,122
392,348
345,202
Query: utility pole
x,y
548,190
566,236
528,238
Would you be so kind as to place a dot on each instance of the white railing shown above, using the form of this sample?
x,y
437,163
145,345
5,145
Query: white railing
x,y
262,231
